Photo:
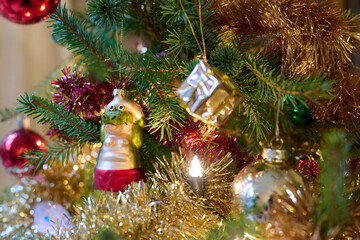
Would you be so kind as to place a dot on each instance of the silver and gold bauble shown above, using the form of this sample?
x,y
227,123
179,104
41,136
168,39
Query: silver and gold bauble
x,y
255,187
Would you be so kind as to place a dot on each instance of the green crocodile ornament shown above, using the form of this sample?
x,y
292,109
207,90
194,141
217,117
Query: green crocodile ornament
x,y
119,161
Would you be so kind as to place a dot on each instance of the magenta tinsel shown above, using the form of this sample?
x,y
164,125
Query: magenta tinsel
x,y
74,92
309,168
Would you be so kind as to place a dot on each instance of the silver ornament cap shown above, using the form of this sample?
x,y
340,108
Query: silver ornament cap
x,y
275,155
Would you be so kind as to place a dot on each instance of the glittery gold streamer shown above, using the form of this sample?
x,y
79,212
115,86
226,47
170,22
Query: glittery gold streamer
x,y
219,177
344,108
62,184
163,208
314,35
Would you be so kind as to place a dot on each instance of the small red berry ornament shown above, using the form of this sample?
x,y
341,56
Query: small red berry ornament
x,y
13,147
27,11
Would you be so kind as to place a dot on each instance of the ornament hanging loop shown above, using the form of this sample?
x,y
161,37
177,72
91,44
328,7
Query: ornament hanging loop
x,y
277,142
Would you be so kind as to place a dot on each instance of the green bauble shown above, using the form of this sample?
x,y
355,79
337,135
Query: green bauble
x,y
299,115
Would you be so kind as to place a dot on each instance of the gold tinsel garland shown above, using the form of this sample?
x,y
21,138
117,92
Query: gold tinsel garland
x,y
164,208
62,184
344,108
315,36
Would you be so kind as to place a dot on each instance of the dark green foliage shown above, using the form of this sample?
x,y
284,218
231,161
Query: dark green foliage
x,y
298,113
180,36
227,59
152,150
173,14
190,67
107,13
211,38
107,234
333,206
236,228
249,119
176,42
271,81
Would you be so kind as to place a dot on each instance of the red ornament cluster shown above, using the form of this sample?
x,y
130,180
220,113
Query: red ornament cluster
x,y
14,145
27,11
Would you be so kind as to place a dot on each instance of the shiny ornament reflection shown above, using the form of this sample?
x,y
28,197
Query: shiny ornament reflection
x,y
256,185
14,145
27,12
209,95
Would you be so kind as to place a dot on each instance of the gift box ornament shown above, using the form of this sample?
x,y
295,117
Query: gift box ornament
x,y
209,95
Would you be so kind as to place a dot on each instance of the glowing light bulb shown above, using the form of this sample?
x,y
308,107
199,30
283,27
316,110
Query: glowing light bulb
x,y
195,169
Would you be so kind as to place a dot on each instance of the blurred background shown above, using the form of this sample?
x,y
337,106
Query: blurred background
x,y
28,56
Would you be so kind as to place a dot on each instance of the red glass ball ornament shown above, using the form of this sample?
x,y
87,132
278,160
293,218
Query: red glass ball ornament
x,y
27,11
13,147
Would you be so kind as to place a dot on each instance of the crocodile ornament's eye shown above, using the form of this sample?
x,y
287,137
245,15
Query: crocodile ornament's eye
x,y
121,107
111,107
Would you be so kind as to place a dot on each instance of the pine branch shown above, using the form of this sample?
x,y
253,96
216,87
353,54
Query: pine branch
x,y
148,62
69,30
7,114
68,123
157,91
254,122
333,207
61,152
166,112
270,82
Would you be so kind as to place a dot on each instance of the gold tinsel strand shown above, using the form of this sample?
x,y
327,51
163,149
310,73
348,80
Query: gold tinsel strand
x,y
315,36
63,184
163,208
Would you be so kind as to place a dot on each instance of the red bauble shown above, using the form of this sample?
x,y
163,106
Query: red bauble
x,y
27,11
13,147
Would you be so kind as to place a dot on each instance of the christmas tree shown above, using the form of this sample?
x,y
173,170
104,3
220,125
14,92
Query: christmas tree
x,y
189,120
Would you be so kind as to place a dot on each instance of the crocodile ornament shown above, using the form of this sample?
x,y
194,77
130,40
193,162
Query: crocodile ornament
x,y
118,162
